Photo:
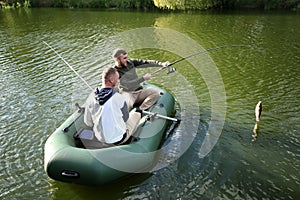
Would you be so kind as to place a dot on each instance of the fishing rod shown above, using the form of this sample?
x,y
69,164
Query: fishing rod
x,y
171,70
68,65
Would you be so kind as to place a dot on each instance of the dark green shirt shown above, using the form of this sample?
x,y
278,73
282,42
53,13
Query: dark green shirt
x,y
129,81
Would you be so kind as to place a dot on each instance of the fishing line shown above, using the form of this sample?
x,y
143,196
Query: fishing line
x,y
198,53
69,65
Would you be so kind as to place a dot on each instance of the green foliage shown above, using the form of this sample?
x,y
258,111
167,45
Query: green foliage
x,y
226,4
14,4
149,4
126,4
193,4
196,4
277,4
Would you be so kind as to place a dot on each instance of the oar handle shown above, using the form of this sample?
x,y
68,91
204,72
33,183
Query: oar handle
x,y
157,115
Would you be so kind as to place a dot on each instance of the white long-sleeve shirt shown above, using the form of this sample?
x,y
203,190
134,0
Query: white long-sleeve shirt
x,y
108,120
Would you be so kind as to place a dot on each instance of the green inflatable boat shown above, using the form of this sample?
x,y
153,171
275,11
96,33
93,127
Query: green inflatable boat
x,y
72,154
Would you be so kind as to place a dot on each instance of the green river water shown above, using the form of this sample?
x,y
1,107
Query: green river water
x,y
210,154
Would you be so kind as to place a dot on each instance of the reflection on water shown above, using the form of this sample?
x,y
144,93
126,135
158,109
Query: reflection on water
x,y
38,93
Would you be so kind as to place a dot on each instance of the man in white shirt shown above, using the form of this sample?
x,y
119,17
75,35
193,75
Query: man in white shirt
x,y
107,112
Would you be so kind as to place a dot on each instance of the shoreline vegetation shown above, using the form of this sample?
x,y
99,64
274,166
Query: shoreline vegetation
x,y
172,5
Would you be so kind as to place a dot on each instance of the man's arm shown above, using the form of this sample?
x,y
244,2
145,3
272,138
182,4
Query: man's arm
x,y
146,63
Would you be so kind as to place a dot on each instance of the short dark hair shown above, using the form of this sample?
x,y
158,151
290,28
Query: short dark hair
x,y
108,72
118,52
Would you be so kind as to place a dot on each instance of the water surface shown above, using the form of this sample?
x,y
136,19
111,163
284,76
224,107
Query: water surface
x,y
38,92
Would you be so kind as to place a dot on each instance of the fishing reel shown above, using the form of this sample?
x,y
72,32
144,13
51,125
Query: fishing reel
x,y
171,70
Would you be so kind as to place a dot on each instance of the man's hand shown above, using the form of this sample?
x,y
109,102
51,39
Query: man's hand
x,y
147,76
165,64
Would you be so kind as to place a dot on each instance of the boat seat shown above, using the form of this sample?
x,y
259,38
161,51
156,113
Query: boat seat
x,y
85,139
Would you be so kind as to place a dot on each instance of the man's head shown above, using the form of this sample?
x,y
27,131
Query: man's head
x,y
110,77
120,56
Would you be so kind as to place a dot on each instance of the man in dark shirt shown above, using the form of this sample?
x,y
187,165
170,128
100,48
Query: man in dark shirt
x,y
130,83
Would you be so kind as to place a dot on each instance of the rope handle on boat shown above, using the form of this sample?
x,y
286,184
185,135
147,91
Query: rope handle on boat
x,y
70,174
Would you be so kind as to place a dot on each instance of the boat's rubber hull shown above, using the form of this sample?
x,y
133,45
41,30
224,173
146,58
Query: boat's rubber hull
x,y
64,161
